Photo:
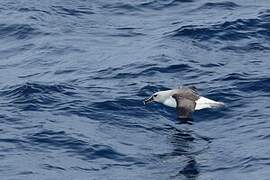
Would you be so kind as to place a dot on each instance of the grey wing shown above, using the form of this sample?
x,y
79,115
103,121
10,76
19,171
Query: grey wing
x,y
188,93
185,107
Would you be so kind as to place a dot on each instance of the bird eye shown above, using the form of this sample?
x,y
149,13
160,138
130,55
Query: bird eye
x,y
155,95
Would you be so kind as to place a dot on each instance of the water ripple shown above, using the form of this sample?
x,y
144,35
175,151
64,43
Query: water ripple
x,y
51,140
19,31
228,31
219,5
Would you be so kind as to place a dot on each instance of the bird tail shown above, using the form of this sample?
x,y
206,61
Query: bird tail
x,y
217,104
203,103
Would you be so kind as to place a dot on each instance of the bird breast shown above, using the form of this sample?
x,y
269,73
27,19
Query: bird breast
x,y
171,102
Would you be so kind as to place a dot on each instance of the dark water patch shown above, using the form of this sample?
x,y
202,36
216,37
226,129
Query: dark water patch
x,y
17,141
125,28
151,71
11,144
191,170
70,108
103,110
9,120
122,8
28,89
161,4
235,77
19,31
207,33
244,83
144,66
265,15
29,75
66,71
109,70
129,67
163,58
121,107
127,32
26,173
254,85
104,151
60,140
226,96
56,140
179,68
210,65
249,48
184,142
187,142
85,169
248,162
72,12
51,167
118,104
142,164
36,96
169,69
210,114
228,31
219,5
33,9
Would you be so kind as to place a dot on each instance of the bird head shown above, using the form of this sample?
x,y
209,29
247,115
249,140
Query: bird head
x,y
159,97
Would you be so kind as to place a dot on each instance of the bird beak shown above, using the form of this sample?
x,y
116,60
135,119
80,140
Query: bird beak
x,y
148,100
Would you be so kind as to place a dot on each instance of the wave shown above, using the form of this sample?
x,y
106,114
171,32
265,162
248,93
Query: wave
x,y
37,96
160,4
145,70
250,47
235,76
219,5
244,83
127,32
80,11
121,8
254,85
227,31
48,140
33,9
20,31
138,8
28,89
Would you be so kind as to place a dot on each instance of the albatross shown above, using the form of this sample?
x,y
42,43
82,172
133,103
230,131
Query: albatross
x,y
185,99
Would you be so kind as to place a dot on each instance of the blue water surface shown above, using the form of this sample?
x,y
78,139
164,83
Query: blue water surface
x,y
73,75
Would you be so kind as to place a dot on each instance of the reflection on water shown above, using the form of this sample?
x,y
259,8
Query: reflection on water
x,y
186,143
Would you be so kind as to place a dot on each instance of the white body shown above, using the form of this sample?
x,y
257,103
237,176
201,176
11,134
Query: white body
x,y
201,103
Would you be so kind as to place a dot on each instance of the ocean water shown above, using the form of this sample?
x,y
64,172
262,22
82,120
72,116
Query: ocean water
x,y
73,75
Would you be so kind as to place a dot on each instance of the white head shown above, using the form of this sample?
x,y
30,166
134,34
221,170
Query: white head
x,y
159,97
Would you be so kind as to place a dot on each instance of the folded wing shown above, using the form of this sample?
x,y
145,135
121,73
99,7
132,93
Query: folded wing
x,y
186,102
185,107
